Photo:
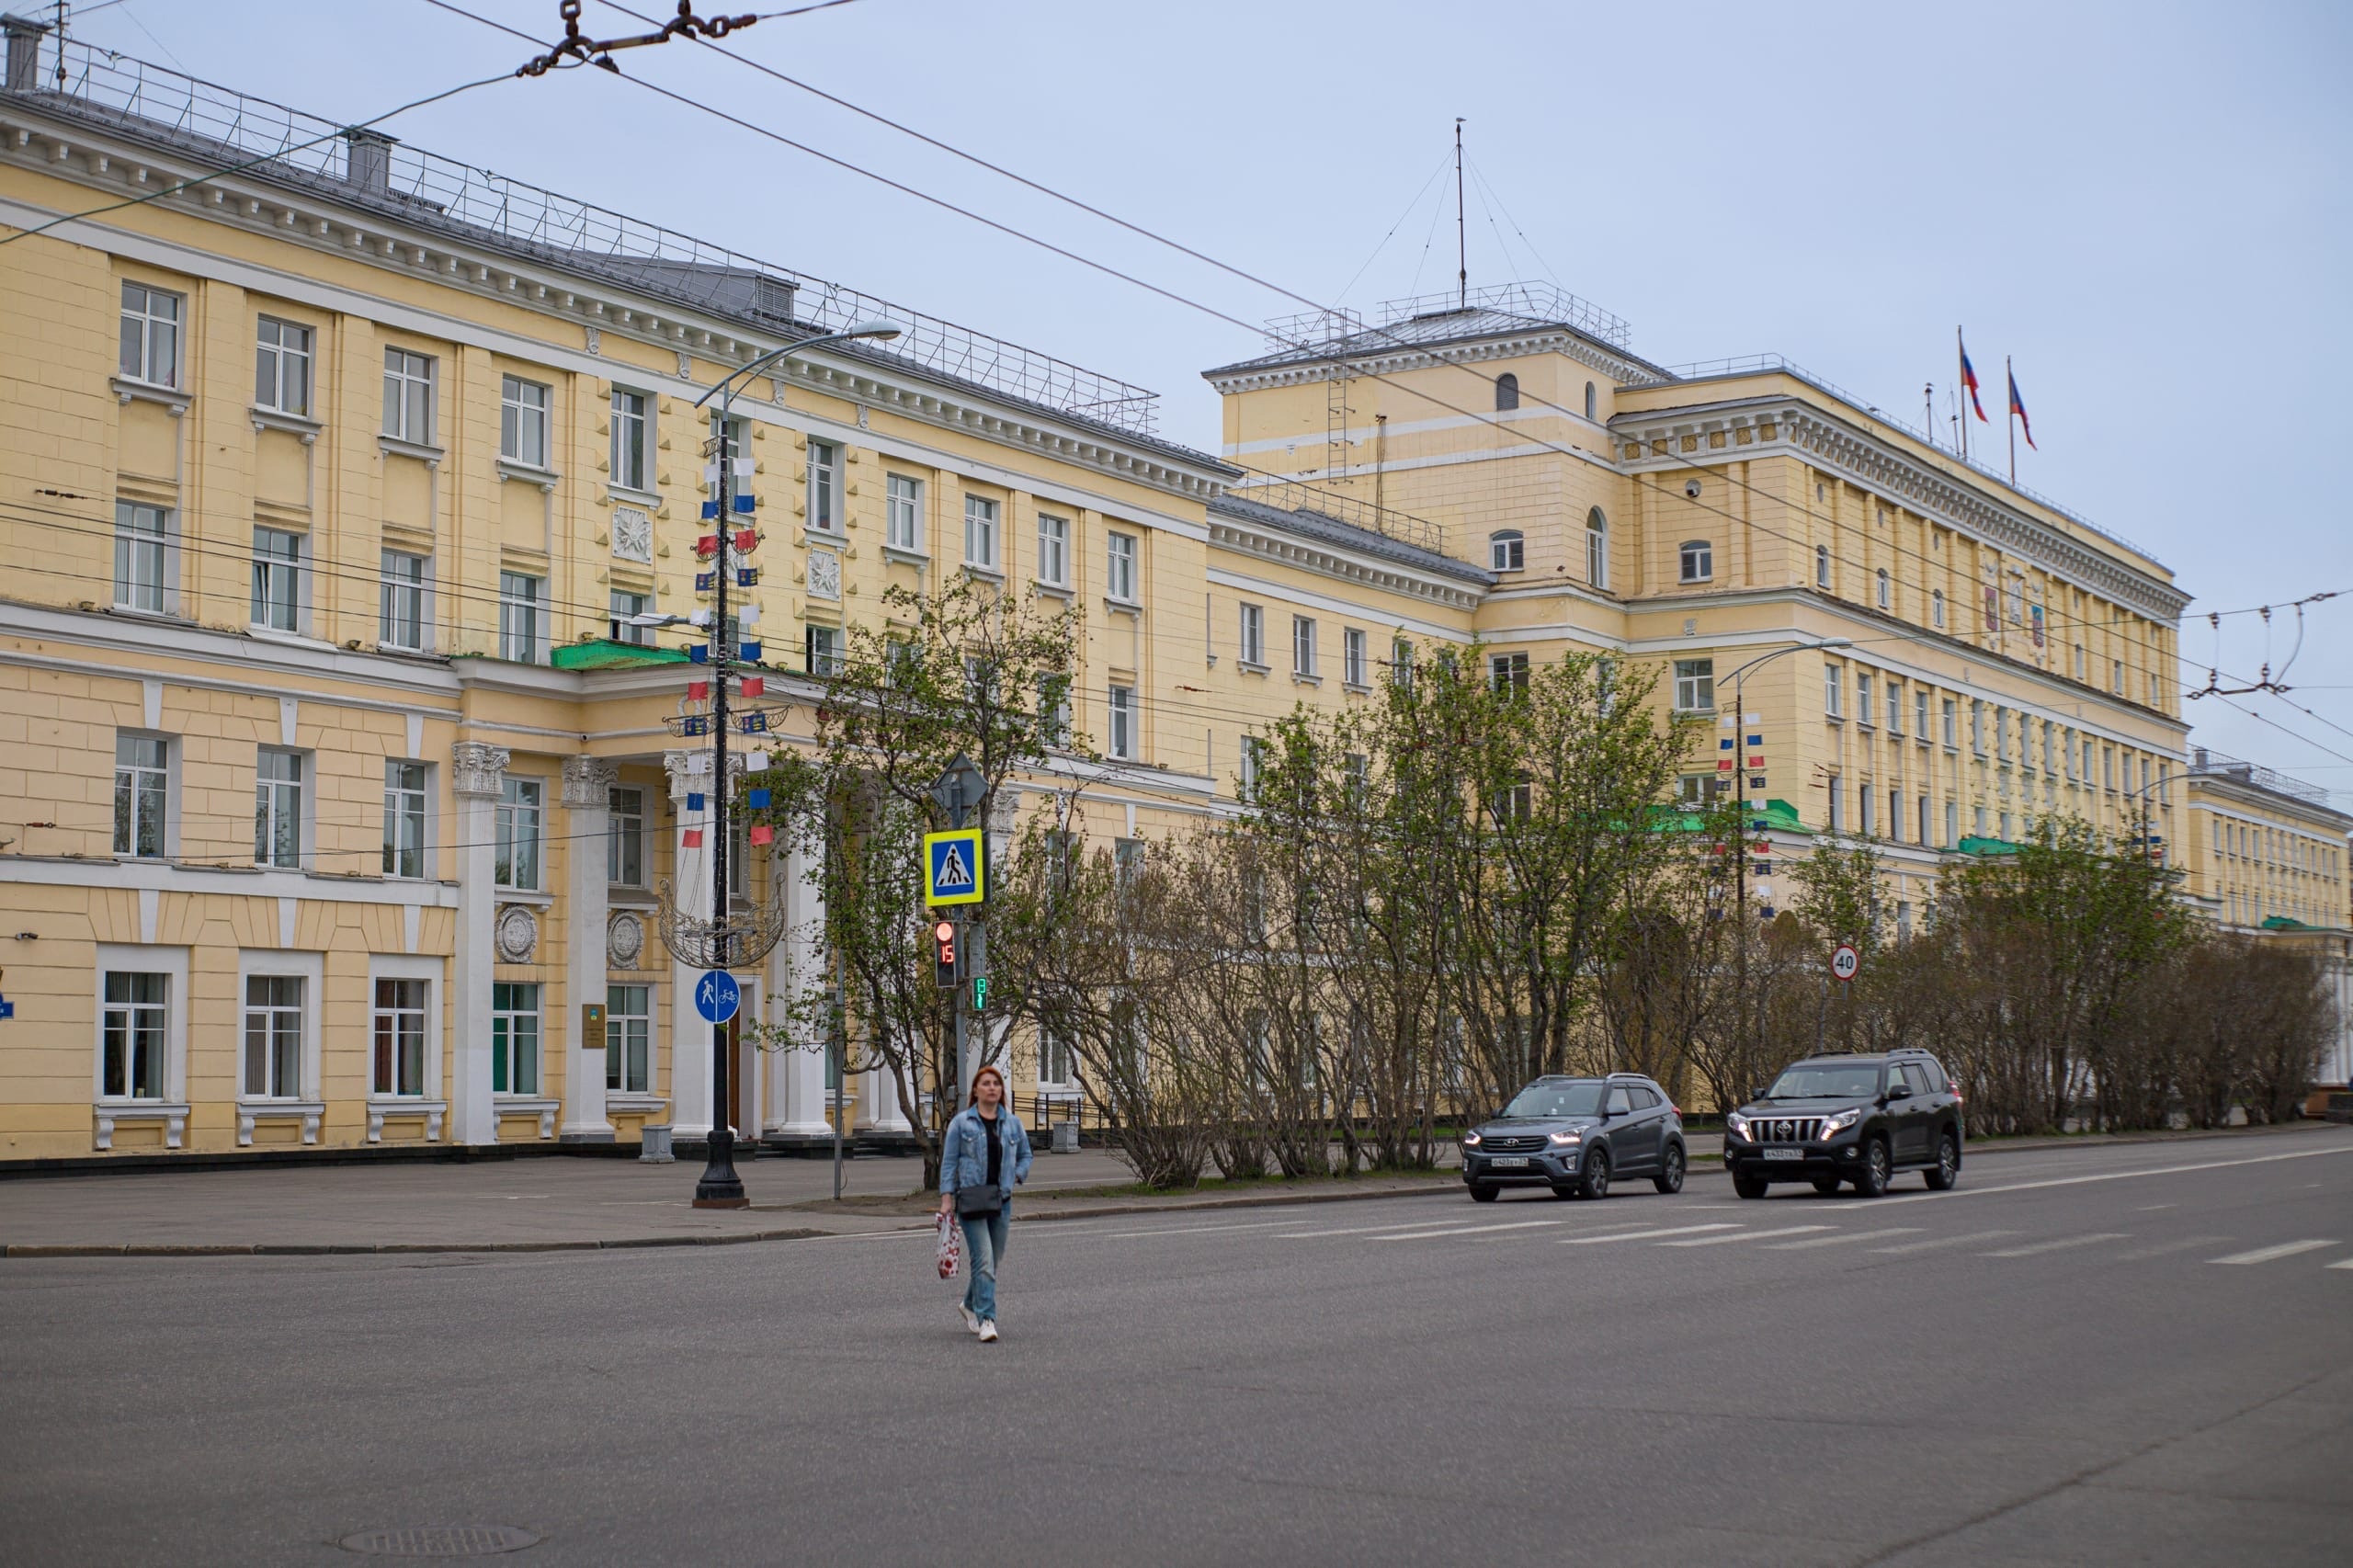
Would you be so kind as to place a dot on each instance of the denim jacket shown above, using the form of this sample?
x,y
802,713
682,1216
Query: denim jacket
x,y
964,1158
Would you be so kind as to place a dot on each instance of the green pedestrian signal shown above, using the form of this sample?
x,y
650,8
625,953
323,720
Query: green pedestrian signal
x,y
979,993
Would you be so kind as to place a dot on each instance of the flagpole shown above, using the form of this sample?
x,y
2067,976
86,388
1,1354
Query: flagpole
x,y
2010,419
1928,410
1961,379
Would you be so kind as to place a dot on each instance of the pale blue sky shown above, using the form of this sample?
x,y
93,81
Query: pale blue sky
x,y
2145,205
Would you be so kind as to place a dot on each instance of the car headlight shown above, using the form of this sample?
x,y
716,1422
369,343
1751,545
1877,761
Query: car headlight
x,y
1569,1137
1736,1124
1470,1140
1839,1123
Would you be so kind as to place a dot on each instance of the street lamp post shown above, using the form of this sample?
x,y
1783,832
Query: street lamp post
x,y
720,1187
1740,772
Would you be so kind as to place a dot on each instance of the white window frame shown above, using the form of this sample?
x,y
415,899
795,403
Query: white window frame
x,y
1951,723
169,1104
306,1102
1508,550
145,558
1252,637
623,606
135,1010
619,1026
521,825
824,498
143,794
1303,646
1864,713
1695,686
981,519
281,805
1120,707
503,1038
404,601
1936,608
1697,561
1352,656
625,837
1053,551
1895,706
820,649
630,461
1821,566
282,366
384,969
1252,750
1834,692
903,513
139,358
1120,556
408,806
277,602
1920,715
272,1041
1053,710
522,618
408,395
1596,549
1507,673
523,410
1886,591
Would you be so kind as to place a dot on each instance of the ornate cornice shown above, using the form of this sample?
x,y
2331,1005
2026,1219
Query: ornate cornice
x,y
1715,434
1302,371
1268,545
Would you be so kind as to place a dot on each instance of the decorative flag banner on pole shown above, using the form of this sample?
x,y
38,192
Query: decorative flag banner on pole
x,y
2016,414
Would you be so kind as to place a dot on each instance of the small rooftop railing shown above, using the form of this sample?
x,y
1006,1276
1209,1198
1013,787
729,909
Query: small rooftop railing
x,y
1536,302
2205,764
1297,496
221,125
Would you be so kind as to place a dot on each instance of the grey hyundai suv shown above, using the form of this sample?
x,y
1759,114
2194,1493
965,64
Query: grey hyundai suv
x,y
1574,1135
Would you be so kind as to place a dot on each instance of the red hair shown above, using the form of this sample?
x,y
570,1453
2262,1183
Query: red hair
x,y
992,1072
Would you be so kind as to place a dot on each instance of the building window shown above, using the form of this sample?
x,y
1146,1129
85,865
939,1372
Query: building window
x,y
1951,723
1697,791
1506,392
1057,1063
1863,810
142,789
822,647
1053,710
274,1035
824,487
1352,656
278,580
628,1037
518,835
903,513
2117,681
1952,825
1053,552
1895,815
131,1029
408,397
405,794
1254,636
1923,835
278,809
282,367
2001,734
1977,726
151,335
523,422
2079,661
1894,708
1886,591
400,621
1507,673
1119,567
521,625
630,433
1936,608
1833,695
625,605
1596,549
980,531
1863,712
398,1033
1920,716
1401,663
1124,723
514,1039
1506,551
625,836
1592,403
140,534
1698,561
1978,820
1695,686
1303,645
1837,806
1251,746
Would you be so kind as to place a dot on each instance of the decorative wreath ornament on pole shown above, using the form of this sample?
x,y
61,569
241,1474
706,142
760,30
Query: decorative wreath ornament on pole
x,y
749,933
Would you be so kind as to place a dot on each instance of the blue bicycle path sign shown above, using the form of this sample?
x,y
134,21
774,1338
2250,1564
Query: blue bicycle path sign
x,y
717,995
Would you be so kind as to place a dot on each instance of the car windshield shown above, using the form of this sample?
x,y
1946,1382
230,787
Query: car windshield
x,y
1561,1097
1820,1080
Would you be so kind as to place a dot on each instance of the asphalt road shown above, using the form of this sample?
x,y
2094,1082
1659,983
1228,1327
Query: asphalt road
x,y
2119,1355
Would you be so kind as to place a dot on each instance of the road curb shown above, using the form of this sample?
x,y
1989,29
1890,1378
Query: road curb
x,y
364,1249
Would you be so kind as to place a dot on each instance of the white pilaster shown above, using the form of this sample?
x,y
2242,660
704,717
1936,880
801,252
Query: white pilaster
x,y
587,803
797,971
478,775
690,890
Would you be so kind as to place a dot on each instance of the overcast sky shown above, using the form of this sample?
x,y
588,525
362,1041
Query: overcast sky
x,y
2144,205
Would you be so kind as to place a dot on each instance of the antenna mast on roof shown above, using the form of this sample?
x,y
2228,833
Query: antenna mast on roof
x,y
1462,244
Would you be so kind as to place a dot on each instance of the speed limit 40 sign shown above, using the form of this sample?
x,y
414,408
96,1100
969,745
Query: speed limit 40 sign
x,y
1846,961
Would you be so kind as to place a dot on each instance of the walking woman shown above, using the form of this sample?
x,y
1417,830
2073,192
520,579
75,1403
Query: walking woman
x,y
985,1154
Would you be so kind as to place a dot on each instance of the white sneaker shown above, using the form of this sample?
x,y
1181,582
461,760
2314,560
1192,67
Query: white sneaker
x,y
972,1320
988,1334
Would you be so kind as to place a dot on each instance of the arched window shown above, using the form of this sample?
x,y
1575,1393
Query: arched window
x,y
1592,403
1506,551
1698,560
1936,608
1506,390
1821,566
1596,549
1886,591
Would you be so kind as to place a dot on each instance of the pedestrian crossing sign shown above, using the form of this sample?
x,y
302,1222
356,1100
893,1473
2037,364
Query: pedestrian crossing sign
x,y
954,869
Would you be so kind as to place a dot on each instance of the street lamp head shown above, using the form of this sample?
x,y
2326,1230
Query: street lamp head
x,y
882,330
1835,642
656,617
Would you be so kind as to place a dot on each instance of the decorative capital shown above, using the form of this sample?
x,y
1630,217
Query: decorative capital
x,y
586,780
690,771
481,768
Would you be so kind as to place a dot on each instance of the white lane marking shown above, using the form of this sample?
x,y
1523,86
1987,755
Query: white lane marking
x,y
2092,1239
2153,1208
1645,1236
1746,1236
2271,1254
1197,1230
1944,1242
2346,1263
1841,1241
2142,1254
1465,1231
2115,1176
1355,1230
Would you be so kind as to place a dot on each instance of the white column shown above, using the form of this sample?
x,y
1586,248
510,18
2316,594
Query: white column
x,y
480,772
796,969
588,803
690,891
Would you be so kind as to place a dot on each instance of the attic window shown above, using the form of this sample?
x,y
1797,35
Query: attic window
x,y
1506,392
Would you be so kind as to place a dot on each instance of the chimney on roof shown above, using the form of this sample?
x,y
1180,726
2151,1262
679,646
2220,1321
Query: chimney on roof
x,y
2202,756
24,53
367,161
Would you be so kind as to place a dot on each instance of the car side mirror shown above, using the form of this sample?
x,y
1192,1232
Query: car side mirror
x,y
1899,1091
1757,1093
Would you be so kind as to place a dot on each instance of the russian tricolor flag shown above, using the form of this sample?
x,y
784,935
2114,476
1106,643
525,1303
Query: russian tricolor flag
x,y
1969,380
2018,406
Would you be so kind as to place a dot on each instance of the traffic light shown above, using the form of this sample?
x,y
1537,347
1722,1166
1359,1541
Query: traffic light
x,y
943,936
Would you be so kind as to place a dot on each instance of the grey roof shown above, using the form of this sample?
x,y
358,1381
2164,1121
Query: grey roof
x,y
1326,529
1509,310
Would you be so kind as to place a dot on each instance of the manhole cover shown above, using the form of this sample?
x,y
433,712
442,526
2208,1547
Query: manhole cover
x,y
440,1541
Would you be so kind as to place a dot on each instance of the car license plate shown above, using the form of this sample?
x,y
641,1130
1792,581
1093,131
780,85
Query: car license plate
x,y
1510,1161
1785,1154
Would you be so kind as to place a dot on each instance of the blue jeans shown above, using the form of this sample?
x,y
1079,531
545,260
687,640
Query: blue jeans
x,y
984,1238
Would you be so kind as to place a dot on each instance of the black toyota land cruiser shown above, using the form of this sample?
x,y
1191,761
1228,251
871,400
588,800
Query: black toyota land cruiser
x,y
1848,1118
